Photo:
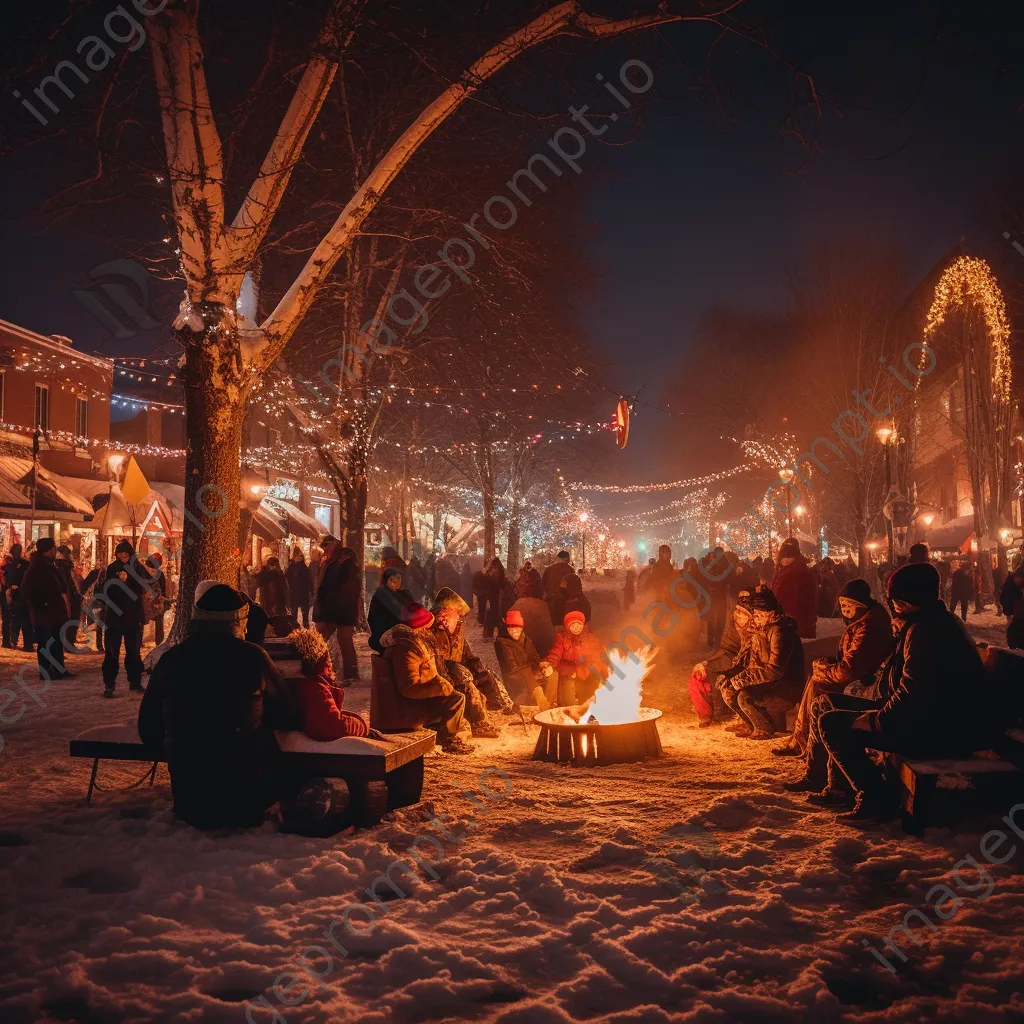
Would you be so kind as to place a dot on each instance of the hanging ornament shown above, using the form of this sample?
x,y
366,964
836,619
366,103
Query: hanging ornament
x,y
622,423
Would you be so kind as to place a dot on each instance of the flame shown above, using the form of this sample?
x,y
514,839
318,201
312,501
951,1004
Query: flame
x,y
618,699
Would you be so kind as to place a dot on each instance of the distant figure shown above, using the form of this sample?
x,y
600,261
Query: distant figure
x,y
552,580
961,589
499,597
272,588
49,606
629,589
528,583
15,612
575,600
796,589
338,604
300,581
658,580
391,605
125,584
1011,601
918,553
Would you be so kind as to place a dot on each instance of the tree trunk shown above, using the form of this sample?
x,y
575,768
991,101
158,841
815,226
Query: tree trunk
x,y
215,400
514,527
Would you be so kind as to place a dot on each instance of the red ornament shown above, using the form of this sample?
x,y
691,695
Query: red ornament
x,y
622,423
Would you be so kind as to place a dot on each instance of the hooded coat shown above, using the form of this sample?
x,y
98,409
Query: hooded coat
x,y
273,590
212,705
46,593
797,591
388,608
864,647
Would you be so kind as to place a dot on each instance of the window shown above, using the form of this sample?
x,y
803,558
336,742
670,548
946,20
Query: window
x,y
42,407
81,417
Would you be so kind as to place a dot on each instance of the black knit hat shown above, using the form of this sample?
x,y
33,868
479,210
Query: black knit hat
x,y
744,599
45,544
790,548
917,583
764,600
64,550
857,590
220,603
124,547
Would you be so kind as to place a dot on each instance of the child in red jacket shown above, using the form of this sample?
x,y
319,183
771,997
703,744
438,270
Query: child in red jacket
x,y
579,660
319,701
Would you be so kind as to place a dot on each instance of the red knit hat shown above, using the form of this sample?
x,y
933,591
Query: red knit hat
x,y
571,617
419,617
514,618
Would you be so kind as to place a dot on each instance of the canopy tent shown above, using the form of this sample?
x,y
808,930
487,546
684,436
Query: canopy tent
x,y
952,536
122,517
291,519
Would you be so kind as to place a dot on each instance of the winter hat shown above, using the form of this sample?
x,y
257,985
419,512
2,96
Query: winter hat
x,y
310,644
564,555
419,617
64,550
916,583
447,598
220,603
790,548
745,599
201,588
571,617
45,544
125,547
764,600
514,618
388,574
859,591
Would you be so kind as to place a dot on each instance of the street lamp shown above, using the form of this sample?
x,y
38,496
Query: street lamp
x,y
584,516
786,476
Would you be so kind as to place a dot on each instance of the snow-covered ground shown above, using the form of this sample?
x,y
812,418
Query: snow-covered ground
x,y
691,888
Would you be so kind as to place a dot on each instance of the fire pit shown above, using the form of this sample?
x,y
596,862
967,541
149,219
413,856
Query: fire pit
x,y
562,739
612,728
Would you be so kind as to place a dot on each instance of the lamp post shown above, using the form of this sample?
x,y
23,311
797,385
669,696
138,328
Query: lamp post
x,y
885,436
584,516
786,476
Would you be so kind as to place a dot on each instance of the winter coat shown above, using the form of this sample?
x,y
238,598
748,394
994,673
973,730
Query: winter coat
x,y
553,578
732,653
797,591
272,591
1011,599
455,647
123,600
46,593
340,595
529,584
518,661
212,704
155,602
411,675
388,608
659,579
934,685
864,647
13,570
743,577
300,580
319,709
578,655
962,588
575,600
775,655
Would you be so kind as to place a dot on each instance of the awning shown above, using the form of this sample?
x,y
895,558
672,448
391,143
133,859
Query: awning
x,y
293,520
52,496
121,517
951,536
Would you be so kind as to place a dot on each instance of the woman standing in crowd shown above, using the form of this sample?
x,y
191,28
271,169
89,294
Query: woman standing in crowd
x,y
338,604
299,580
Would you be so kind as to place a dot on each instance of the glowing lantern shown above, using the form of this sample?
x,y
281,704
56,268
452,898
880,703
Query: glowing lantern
x,y
622,423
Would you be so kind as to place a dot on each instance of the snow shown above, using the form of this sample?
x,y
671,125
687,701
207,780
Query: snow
x,y
690,888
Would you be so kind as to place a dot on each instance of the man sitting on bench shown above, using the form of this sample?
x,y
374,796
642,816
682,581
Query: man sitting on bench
x,y
212,704
937,702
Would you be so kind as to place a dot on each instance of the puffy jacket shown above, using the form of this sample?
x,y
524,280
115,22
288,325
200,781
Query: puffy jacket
x,y
579,655
934,684
411,656
46,593
775,655
212,704
733,651
319,706
519,661
864,647
455,647
797,591
340,594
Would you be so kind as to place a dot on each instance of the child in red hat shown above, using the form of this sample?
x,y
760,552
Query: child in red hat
x,y
580,662
520,663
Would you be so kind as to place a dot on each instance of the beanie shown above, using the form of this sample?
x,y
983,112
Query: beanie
x,y
64,550
220,603
571,617
447,598
419,617
45,544
514,618
764,600
790,548
857,590
917,583
125,547
201,588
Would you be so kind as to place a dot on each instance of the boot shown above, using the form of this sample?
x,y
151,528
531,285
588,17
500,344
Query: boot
x,y
457,745
830,798
485,730
788,749
108,691
540,698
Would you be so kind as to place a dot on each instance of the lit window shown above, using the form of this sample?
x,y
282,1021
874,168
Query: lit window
x,y
42,420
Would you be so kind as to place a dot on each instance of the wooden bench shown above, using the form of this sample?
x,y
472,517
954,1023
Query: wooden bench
x,y
381,774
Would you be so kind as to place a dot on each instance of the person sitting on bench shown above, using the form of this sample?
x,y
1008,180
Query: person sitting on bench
x,y
518,659
773,676
318,701
212,705
706,678
864,647
937,704
413,693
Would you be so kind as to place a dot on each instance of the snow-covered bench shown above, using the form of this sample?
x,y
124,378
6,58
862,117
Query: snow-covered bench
x,y
395,762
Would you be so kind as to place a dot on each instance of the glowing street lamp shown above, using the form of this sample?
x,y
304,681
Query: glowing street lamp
x,y
786,476
584,516
928,520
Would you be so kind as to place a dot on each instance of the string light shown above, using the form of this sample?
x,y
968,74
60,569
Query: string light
x,y
695,481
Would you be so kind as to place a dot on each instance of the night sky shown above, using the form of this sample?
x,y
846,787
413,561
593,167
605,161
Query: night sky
x,y
697,209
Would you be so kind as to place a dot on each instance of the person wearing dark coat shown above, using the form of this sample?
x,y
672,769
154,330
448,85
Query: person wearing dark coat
x,y
49,605
157,604
272,589
715,572
498,596
961,589
708,677
127,582
300,581
16,618
528,583
518,659
552,580
864,648
629,589
773,676
937,703
212,705
257,622
338,604
72,582
574,600
1011,601
391,605
796,589
658,581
